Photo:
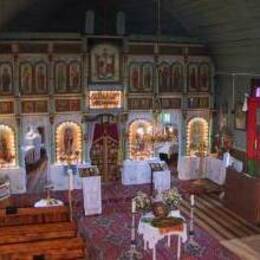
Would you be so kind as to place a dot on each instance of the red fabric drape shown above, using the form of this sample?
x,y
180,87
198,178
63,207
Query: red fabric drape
x,y
108,129
253,138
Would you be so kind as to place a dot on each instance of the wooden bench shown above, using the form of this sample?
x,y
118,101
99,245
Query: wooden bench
x,y
70,248
26,216
37,232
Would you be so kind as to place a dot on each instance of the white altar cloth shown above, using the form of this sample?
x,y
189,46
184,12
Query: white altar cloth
x,y
189,167
92,195
60,179
151,235
139,172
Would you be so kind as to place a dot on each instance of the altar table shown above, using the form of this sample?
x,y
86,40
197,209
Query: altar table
x,y
139,172
60,179
192,167
151,235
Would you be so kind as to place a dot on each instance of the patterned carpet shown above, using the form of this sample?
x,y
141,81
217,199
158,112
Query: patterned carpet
x,y
108,235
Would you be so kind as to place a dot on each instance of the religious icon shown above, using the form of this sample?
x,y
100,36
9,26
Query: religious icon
x,y
60,77
26,78
6,78
68,141
177,77
193,84
240,117
204,77
164,77
41,78
147,71
6,139
134,77
74,76
105,63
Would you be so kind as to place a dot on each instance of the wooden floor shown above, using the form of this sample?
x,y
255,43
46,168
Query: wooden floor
x,y
232,231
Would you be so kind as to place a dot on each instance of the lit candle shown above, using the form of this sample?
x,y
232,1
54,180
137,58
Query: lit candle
x,y
133,206
70,179
192,200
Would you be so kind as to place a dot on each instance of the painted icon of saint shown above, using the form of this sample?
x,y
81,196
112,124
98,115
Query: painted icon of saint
x,y
6,79
60,74
41,78
135,78
68,141
147,77
193,78
204,77
74,76
177,78
26,78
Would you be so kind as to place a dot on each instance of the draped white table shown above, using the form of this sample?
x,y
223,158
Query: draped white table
x,y
192,167
92,195
151,235
139,172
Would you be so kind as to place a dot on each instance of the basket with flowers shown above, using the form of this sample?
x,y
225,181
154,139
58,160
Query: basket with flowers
x,y
171,197
143,201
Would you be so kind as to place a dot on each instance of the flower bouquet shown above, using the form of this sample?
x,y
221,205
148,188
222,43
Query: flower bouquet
x,y
143,202
172,197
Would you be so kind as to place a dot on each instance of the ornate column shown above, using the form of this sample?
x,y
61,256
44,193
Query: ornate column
x,y
184,101
51,88
52,138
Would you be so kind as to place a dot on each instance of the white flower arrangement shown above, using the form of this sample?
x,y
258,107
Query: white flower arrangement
x,y
171,197
143,201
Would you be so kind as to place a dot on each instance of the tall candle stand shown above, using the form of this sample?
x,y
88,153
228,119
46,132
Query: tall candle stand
x,y
132,253
192,246
70,173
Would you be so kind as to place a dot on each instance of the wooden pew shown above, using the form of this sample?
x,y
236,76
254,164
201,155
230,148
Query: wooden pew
x,y
26,216
46,233
72,248
37,232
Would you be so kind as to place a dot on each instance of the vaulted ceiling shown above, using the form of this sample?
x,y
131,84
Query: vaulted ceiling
x,y
231,28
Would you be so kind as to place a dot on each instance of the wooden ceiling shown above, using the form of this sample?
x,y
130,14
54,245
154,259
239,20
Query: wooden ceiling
x,y
230,27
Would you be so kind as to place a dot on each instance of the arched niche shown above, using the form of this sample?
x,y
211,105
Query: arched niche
x,y
68,143
140,145
197,136
7,146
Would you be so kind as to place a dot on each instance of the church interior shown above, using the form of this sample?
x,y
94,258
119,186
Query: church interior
x,y
129,129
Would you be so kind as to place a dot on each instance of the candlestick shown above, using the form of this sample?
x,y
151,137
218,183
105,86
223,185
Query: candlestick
x,y
192,200
70,173
133,206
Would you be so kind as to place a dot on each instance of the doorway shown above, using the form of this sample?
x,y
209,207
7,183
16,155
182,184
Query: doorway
x,y
104,150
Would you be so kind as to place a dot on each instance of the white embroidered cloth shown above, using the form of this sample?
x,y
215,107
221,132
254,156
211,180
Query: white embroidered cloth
x,y
92,195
